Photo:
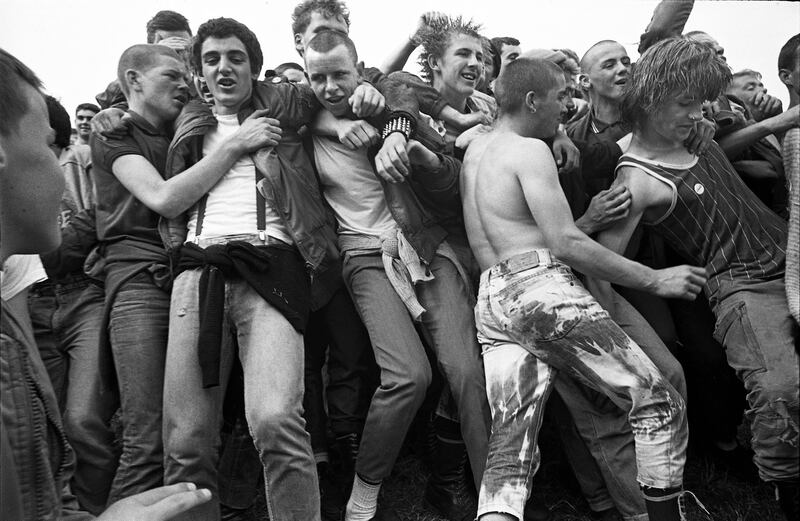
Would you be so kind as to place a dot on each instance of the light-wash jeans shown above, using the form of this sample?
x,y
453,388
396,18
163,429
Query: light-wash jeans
x,y
761,342
271,354
533,318
405,370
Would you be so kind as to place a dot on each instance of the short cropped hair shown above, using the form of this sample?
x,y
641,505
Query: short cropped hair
x,y
521,76
435,38
787,58
301,16
325,41
283,67
746,72
59,121
140,57
87,106
166,21
224,28
584,62
13,103
500,41
673,67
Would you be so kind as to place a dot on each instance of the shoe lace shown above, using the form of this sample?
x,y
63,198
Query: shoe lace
x,y
682,504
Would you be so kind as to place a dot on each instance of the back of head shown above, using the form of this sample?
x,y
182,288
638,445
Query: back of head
x,y
326,41
790,53
435,38
140,57
225,28
59,121
673,68
166,21
13,103
301,16
522,76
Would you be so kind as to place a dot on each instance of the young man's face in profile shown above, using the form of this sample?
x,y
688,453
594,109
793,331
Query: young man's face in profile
x,y
31,180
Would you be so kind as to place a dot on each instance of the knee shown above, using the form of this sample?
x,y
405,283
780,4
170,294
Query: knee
x,y
408,385
268,419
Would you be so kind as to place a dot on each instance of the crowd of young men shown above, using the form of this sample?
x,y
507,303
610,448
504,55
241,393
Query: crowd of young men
x,y
444,248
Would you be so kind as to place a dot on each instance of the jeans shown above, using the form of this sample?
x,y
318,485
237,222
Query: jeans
x,y
138,334
336,329
761,342
405,370
66,320
271,353
534,319
603,454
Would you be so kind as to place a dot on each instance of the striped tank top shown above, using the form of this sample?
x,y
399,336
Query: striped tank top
x,y
715,221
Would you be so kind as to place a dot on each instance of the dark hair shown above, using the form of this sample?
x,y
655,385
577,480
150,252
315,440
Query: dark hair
x,y
787,58
166,21
59,121
13,102
224,28
326,41
301,16
140,57
671,68
500,41
522,76
87,106
494,53
435,38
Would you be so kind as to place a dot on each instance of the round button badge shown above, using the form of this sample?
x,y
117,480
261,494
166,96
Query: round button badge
x,y
699,189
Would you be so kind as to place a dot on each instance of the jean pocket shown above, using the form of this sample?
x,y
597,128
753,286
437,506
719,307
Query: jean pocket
x,y
735,332
547,309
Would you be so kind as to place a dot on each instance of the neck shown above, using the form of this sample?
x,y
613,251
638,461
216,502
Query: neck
x,y
517,125
794,98
453,98
651,145
150,115
604,109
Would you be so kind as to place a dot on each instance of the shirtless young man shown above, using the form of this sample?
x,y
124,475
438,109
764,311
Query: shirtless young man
x,y
703,210
533,315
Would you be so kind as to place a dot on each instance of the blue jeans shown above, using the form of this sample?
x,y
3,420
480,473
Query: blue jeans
x,y
271,354
66,320
761,341
599,444
138,334
405,370
533,318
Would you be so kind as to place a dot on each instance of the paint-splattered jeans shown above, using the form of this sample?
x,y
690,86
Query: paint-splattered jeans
x,y
534,317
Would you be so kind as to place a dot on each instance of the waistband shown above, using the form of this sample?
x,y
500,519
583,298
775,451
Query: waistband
x,y
66,284
252,238
521,262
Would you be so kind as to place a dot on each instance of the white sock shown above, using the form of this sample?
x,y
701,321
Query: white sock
x,y
363,501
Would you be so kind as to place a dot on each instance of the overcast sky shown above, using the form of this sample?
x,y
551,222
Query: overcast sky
x,y
74,45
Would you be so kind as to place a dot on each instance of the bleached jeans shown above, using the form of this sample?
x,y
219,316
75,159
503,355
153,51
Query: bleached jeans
x,y
534,317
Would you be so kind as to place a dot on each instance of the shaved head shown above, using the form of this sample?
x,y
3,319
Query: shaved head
x,y
592,55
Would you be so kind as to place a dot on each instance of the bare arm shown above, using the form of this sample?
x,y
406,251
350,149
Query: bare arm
x,y
734,143
173,196
551,212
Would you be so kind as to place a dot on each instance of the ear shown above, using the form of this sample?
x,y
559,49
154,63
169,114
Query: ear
x,y
530,101
785,76
584,82
433,63
132,78
298,43
360,70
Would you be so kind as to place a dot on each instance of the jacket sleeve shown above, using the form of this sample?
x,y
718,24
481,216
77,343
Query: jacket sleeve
x,y
78,237
399,95
112,97
669,19
440,187
429,100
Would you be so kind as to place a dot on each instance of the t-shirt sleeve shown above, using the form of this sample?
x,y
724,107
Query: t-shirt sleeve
x,y
105,152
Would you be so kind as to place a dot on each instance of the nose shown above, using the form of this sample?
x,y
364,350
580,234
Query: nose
x,y
330,86
224,64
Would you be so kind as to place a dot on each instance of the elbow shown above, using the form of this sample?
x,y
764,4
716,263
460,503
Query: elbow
x,y
166,207
564,247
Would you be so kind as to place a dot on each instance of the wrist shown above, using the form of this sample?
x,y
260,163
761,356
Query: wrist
x,y
398,123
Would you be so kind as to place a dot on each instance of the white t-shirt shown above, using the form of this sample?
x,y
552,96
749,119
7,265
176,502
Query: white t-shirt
x,y
20,272
231,203
352,189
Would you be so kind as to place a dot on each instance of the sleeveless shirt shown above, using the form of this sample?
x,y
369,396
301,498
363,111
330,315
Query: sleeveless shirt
x,y
715,221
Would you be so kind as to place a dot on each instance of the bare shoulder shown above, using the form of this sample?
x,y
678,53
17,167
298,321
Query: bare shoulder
x,y
641,185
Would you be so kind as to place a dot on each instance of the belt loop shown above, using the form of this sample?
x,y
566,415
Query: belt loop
x,y
262,235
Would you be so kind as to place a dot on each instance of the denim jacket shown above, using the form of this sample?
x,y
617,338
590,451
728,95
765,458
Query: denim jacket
x,y
289,183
